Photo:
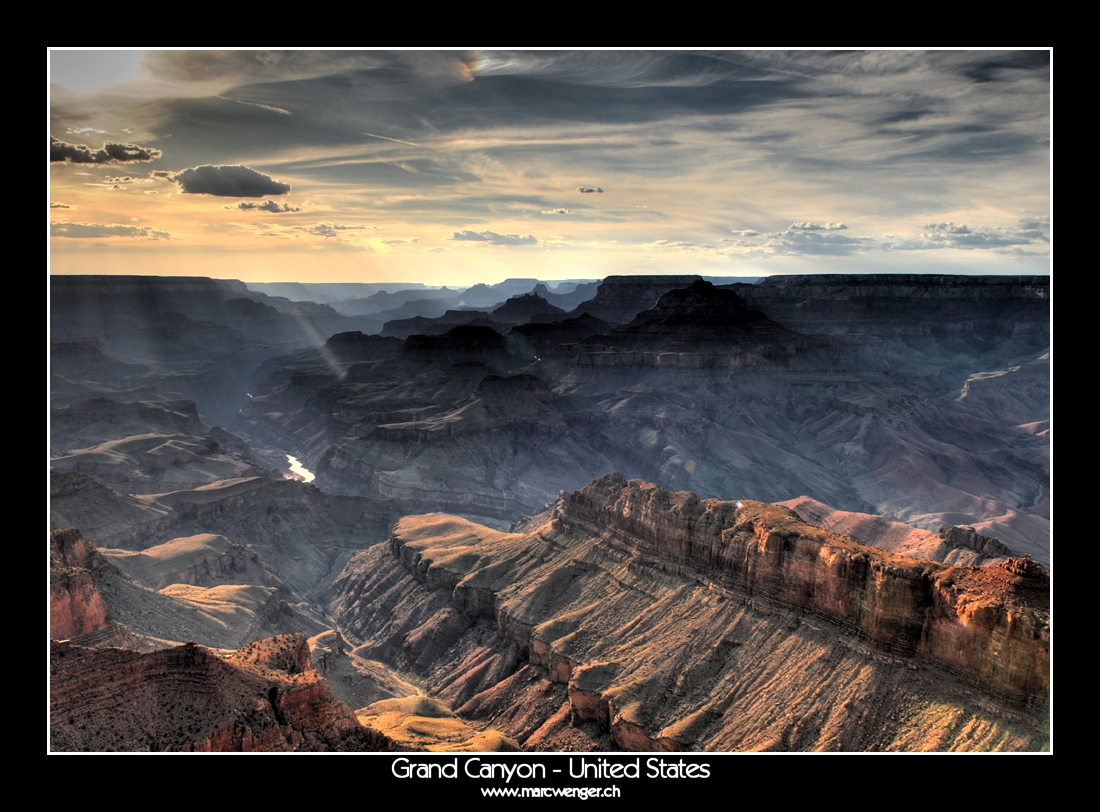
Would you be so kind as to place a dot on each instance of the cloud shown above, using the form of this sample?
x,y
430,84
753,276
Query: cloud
x,y
228,181
952,235
328,229
686,245
244,67
267,205
127,179
557,211
818,226
55,205
397,241
83,130
492,237
95,231
110,153
815,238
587,190
268,107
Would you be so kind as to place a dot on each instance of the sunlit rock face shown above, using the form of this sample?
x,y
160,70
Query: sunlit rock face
x,y
649,619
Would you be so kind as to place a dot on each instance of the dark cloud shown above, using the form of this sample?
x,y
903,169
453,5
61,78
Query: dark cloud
x,y
557,211
118,181
267,205
60,206
587,190
96,230
997,67
110,153
228,181
492,237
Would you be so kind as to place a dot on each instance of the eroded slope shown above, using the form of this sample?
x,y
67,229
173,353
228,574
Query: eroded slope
x,y
644,619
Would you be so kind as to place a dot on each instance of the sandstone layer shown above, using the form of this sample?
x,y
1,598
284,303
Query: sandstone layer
x,y
644,619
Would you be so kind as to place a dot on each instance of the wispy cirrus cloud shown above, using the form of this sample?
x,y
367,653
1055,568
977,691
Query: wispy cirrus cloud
x,y
336,232
268,107
99,230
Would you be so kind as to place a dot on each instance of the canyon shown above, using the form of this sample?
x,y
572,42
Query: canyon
x,y
642,513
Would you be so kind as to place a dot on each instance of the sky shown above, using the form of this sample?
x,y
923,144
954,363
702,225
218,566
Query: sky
x,y
457,167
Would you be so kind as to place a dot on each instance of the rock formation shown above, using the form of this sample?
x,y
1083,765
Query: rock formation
x,y
77,607
658,615
265,697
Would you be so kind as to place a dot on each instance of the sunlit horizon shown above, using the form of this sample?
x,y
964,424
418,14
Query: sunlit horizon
x,y
459,167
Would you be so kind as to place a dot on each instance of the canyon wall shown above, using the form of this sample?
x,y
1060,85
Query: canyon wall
x,y
989,625
642,619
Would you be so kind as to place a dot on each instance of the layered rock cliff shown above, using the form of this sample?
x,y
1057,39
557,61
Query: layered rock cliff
x,y
266,697
77,607
638,618
990,625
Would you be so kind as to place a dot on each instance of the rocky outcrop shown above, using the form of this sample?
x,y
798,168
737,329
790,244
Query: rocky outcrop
x,y
906,304
198,560
77,607
967,538
618,299
663,615
91,422
989,625
521,309
265,697
696,326
957,546
155,463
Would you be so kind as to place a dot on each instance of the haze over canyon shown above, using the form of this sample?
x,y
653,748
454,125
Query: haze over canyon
x,y
804,512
